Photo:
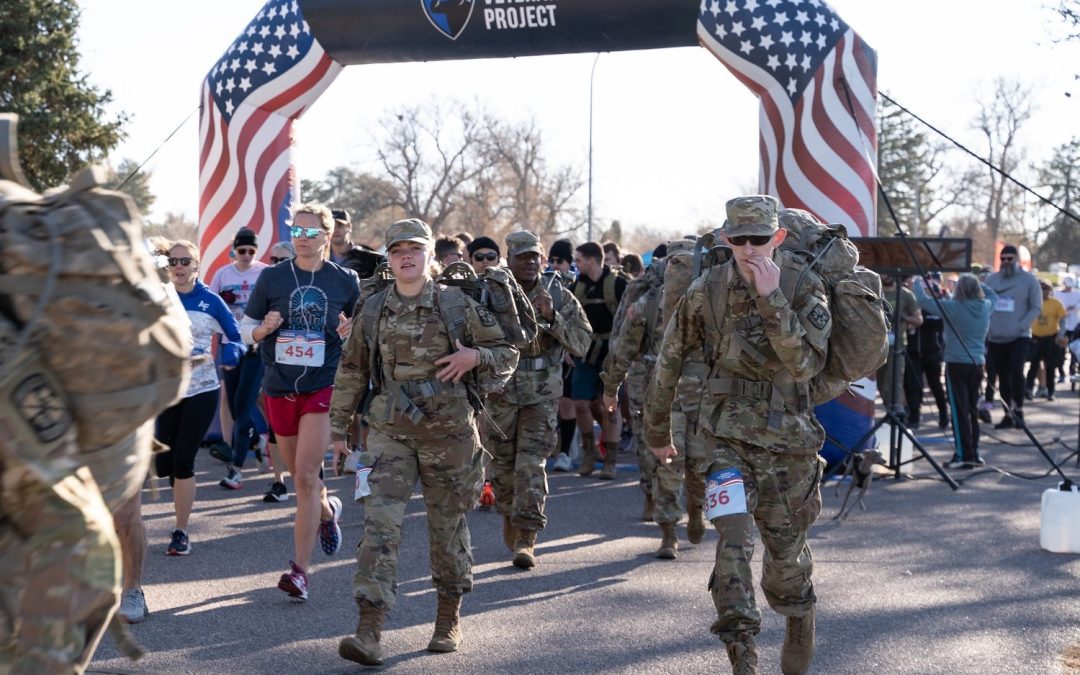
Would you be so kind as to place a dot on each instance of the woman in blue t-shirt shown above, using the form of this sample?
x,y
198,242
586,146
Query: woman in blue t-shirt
x,y
182,426
297,315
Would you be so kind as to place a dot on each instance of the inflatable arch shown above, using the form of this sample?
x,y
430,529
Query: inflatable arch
x,y
815,79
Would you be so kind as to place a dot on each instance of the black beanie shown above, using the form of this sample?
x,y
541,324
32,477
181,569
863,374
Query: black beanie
x,y
1009,249
245,237
483,242
660,251
562,248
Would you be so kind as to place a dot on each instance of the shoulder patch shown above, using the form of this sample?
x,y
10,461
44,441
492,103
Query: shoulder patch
x,y
819,316
42,408
486,317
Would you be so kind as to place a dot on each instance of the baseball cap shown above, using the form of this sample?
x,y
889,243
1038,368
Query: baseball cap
x,y
680,247
523,241
412,229
752,215
341,216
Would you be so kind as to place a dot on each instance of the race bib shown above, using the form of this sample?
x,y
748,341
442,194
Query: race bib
x,y
725,494
1005,305
300,348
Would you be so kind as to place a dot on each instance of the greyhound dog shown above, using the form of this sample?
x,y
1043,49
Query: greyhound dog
x,y
858,465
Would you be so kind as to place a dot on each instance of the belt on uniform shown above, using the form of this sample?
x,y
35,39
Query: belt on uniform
x,y
783,393
403,393
534,364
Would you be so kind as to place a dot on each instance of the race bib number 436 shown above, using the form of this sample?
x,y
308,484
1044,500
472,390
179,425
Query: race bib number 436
x,y
725,494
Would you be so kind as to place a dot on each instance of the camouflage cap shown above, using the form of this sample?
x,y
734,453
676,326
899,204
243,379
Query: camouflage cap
x,y
522,241
756,214
681,247
412,229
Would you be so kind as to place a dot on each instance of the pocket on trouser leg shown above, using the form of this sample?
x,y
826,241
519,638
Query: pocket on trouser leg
x,y
731,584
806,509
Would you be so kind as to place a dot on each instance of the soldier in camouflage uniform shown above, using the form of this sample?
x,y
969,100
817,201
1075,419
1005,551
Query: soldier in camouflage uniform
x,y
524,412
422,424
758,425
631,358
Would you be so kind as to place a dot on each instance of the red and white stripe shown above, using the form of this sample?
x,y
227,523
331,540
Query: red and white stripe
x,y
816,155
245,165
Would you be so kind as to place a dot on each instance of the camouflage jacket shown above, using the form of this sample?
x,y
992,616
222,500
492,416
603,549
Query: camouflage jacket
x,y
539,371
638,338
412,335
765,349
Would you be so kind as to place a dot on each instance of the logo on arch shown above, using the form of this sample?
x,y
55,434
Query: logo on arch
x,y
449,16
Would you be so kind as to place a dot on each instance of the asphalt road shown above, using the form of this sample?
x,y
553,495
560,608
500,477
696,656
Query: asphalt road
x,y
927,580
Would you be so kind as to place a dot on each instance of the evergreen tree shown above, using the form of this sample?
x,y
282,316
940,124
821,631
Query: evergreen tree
x,y
910,168
63,125
137,186
1060,180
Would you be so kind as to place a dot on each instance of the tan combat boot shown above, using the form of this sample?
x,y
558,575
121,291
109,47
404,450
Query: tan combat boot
x,y
524,553
743,657
798,649
669,546
364,647
510,533
650,506
447,635
608,472
588,455
695,526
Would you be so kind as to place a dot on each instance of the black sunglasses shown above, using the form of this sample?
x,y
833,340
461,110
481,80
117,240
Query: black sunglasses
x,y
275,260
490,257
173,262
1007,258
754,239
245,250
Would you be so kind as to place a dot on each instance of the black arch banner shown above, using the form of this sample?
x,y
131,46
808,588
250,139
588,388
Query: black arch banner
x,y
381,31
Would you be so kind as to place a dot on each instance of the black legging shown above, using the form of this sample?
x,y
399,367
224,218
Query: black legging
x,y
182,428
923,369
1008,361
963,380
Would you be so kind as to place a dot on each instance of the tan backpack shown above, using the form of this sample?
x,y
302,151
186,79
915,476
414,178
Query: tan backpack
x,y
77,279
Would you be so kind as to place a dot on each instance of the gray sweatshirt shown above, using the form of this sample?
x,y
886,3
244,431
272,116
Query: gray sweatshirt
x,y
1019,303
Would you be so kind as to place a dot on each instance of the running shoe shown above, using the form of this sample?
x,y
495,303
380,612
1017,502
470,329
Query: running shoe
x,y
294,582
562,462
231,481
487,496
221,452
133,606
179,544
329,530
277,493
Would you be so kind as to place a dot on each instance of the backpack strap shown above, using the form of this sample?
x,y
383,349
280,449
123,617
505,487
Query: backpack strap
x,y
610,300
453,304
717,279
652,315
370,314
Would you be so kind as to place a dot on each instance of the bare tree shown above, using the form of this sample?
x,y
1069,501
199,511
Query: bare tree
x,y
999,120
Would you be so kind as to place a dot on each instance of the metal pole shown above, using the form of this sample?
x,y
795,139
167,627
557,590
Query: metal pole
x,y
592,77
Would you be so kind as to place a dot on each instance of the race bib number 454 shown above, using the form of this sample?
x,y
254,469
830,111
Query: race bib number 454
x,y
300,348
725,494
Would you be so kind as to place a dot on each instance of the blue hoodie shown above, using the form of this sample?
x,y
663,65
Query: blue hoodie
x,y
209,314
970,318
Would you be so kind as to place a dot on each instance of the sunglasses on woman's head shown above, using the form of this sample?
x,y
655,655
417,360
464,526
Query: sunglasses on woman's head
x,y
184,262
754,239
490,257
245,250
310,232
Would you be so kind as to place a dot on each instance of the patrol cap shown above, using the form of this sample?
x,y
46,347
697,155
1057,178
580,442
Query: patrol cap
x,y
522,241
756,214
680,247
412,229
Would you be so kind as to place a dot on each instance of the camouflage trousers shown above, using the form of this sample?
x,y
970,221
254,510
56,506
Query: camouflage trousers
x,y
783,497
687,468
61,562
637,380
450,473
517,463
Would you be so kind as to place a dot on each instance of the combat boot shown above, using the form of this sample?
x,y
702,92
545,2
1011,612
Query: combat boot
x,y
608,472
669,545
798,649
510,533
650,506
588,455
364,647
447,635
743,656
524,550
695,525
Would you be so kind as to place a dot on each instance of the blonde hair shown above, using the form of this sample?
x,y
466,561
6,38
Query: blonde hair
x,y
326,220
189,245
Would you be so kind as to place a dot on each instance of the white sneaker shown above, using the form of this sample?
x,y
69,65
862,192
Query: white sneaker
x,y
562,462
133,606
232,480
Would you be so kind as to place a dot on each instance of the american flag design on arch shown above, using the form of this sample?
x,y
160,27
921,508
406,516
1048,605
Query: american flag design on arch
x,y
266,79
818,151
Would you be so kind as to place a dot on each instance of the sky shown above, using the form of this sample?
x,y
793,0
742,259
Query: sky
x,y
674,134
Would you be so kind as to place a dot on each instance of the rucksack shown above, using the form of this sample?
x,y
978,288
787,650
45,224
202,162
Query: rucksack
x,y
80,283
858,342
635,289
497,290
